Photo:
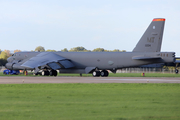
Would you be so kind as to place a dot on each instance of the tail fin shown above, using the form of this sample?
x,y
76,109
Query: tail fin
x,y
152,38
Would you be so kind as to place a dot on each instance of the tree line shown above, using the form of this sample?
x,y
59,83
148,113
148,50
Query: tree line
x,y
78,49
6,53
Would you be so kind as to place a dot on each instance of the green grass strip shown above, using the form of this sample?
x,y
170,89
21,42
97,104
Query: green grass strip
x,y
90,101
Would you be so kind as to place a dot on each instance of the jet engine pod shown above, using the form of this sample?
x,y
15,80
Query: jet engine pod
x,y
17,67
9,66
13,66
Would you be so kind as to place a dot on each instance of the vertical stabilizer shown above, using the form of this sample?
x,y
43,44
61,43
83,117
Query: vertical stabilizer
x,y
152,38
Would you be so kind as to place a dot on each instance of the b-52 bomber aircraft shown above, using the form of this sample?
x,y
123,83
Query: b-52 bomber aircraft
x,y
147,51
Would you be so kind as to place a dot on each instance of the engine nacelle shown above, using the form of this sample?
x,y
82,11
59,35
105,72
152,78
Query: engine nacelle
x,y
18,67
13,66
9,66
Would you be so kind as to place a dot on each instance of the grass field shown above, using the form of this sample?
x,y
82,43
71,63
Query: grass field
x,y
90,101
113,75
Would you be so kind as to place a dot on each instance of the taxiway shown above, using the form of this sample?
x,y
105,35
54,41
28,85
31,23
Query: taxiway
x,y
28,80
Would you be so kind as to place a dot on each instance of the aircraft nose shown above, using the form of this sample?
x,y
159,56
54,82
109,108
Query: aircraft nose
x,y
9,59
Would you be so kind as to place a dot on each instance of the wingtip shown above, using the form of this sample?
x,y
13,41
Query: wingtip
x,y
159,19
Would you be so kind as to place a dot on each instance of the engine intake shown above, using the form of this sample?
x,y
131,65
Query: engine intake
x,y
13,66
9,66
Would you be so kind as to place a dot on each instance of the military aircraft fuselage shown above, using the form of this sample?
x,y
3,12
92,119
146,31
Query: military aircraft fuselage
x,y
147,51
100,60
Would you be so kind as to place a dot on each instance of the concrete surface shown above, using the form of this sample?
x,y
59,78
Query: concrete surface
x,y
25,80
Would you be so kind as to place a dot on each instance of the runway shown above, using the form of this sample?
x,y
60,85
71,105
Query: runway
x,y
35,80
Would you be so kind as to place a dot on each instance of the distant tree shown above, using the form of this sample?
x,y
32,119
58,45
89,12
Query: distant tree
x,y
40,49
123,50
50,50
78,49
3,55
17,51
64,50
115,50
0,51
3,62
8,53
100,50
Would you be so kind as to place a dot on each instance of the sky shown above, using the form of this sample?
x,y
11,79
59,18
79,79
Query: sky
x,y
108,24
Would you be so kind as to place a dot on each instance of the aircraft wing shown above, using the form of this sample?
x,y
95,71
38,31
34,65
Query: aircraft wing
x,y
146,57
51,59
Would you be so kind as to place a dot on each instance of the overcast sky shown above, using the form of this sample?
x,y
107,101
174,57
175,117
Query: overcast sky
x,y
108,24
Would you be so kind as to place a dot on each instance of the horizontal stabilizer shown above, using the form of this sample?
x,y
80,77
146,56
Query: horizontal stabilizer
x,y
145,57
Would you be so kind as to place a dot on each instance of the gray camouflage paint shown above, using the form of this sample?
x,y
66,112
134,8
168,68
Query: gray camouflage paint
x,y
147,51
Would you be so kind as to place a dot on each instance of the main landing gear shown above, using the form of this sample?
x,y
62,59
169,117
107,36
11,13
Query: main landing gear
x,y
51,73
48,73
103,73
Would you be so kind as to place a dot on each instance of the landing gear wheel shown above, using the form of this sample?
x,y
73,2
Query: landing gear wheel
x,y
53,73
45,73
176,71
96,73
104,73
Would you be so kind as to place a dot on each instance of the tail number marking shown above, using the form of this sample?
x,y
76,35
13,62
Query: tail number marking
x,y
150,40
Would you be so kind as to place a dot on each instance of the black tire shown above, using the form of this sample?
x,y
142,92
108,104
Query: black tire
x,y
104,73
176,71
96,73
55,73
47,73
51,73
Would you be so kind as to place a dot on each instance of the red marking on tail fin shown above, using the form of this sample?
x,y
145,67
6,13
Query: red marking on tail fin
x,y
159,19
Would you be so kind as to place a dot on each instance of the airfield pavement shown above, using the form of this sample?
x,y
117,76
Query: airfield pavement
x,y
34,80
